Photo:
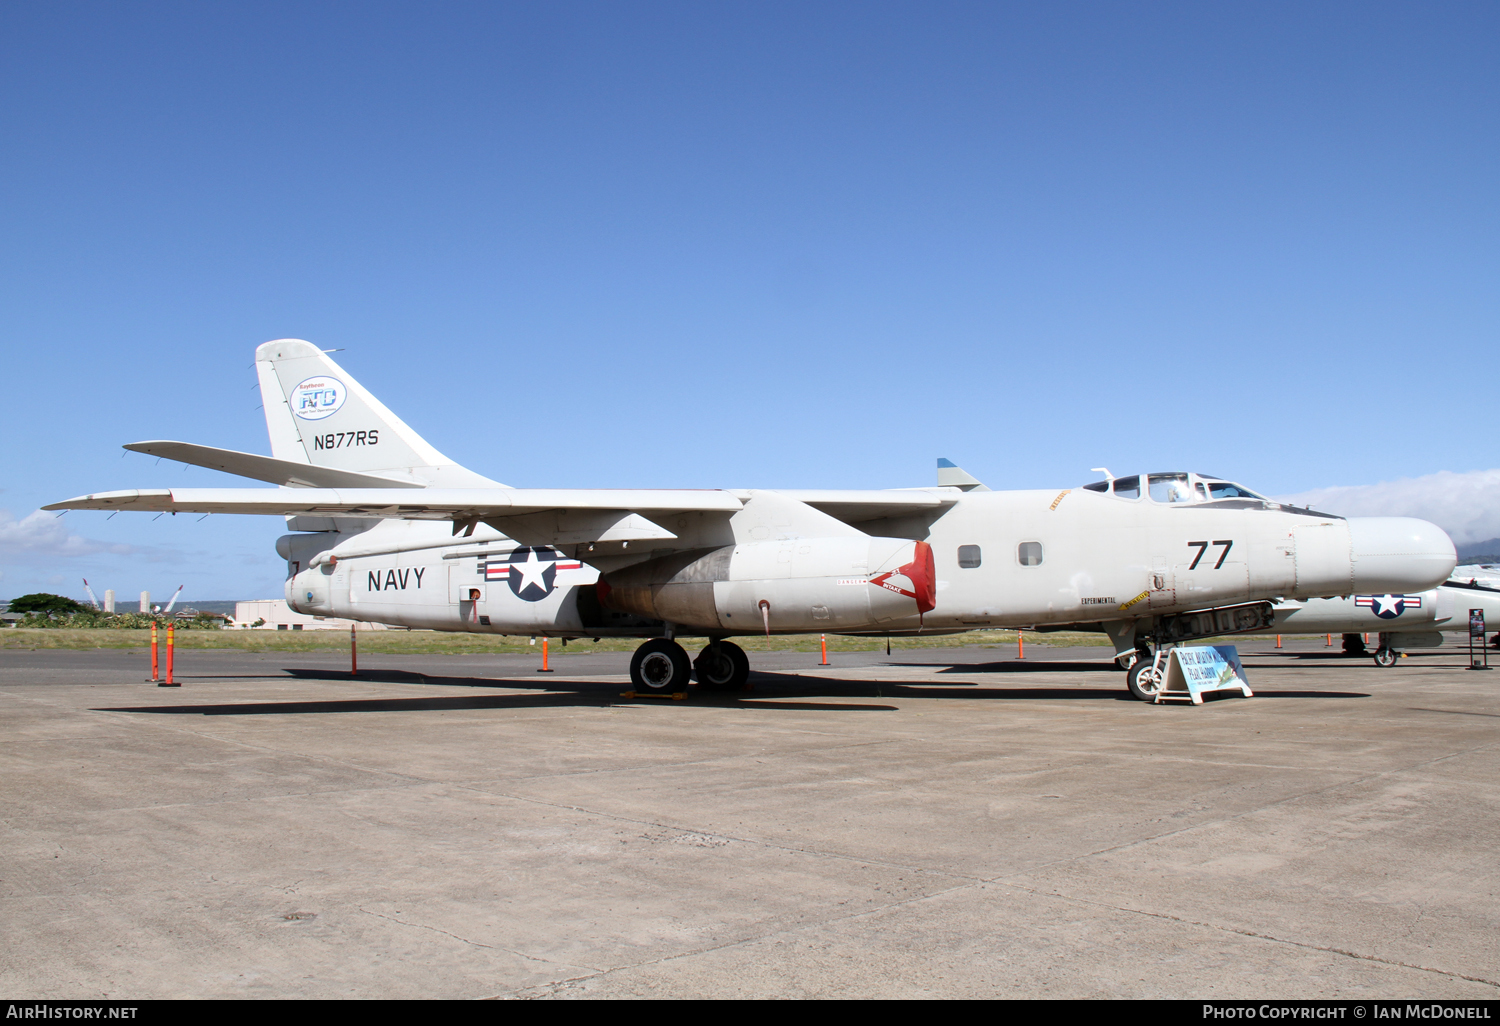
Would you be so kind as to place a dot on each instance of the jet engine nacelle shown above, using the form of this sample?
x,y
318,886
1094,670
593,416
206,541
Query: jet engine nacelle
x,y
801,584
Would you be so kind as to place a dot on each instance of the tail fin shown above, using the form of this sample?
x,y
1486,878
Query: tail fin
x,y
951,475
316,413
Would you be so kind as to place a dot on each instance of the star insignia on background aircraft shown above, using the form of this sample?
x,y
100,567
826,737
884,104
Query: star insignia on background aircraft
x,y
1388,607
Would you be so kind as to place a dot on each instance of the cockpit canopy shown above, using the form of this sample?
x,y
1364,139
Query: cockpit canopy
x,y
1175,488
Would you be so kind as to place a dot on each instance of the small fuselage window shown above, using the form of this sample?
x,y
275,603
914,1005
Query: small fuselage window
x,y
968,556
1029,554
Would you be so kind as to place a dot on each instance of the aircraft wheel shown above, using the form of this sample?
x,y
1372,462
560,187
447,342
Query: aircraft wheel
x,y
660,666
1144,679
722,666
1354,645
1386,657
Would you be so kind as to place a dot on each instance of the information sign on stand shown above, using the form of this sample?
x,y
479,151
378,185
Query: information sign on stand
x,y
1479,656
1196,670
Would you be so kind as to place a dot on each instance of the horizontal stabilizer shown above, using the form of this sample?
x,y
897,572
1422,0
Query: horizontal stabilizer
x,y
263,468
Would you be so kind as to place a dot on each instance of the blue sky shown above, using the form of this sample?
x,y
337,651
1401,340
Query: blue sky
x,y
741,245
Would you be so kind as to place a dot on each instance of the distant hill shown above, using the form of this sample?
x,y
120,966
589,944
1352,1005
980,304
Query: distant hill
x,y
1480,552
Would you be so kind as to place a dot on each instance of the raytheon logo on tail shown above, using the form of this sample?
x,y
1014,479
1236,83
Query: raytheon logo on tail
x,y
316,398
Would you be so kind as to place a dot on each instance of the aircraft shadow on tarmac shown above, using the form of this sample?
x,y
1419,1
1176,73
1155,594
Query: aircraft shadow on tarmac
x,y
772,691
1017,666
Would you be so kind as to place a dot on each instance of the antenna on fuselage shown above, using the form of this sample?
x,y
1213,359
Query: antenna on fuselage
x,y
1104,471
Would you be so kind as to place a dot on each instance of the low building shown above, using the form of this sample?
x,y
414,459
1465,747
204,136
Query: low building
x,y
276,615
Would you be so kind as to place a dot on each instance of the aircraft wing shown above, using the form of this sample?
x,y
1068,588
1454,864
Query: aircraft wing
x,y
264,468
457,504
473,505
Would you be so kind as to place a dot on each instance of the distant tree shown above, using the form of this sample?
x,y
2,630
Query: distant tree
x,y
42,602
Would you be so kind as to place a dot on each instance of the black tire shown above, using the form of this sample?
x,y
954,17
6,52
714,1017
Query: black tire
x,y
660,667
722,666
1143,680
1386,657
1354,645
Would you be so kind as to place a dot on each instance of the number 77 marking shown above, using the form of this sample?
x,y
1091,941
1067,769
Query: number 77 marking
x,y
1202,547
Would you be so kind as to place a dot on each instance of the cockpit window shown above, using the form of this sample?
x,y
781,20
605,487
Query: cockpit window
x,y
1169,488
1128,487
1097,486
1229,490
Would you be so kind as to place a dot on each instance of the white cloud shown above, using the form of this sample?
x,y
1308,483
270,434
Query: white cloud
x,y
44,534
1467,506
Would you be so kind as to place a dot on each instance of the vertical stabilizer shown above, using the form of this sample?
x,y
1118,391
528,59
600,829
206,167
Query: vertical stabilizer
x,y
317,413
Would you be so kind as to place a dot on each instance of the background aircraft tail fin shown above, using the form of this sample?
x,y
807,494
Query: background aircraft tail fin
x,y
950,474
316,413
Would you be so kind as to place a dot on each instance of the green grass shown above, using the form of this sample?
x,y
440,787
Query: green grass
x,y
441,643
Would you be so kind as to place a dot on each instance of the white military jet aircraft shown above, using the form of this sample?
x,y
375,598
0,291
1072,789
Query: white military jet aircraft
x,y
386,528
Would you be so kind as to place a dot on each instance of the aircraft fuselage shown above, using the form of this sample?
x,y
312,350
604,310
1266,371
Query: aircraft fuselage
x,y
998,559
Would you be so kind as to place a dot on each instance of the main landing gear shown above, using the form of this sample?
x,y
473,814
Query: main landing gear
x,y
722,666
661,666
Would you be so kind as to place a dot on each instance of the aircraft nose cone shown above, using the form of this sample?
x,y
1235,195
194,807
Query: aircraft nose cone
x,y
1394,554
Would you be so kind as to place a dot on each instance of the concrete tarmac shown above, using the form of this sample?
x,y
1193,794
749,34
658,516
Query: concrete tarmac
x,y
941,823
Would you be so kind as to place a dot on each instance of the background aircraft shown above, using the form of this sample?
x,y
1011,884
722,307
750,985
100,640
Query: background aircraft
x,y
385,528
1401,621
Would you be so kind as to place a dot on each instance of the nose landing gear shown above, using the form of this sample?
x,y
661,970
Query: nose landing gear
x,y
1385,655
1144,678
